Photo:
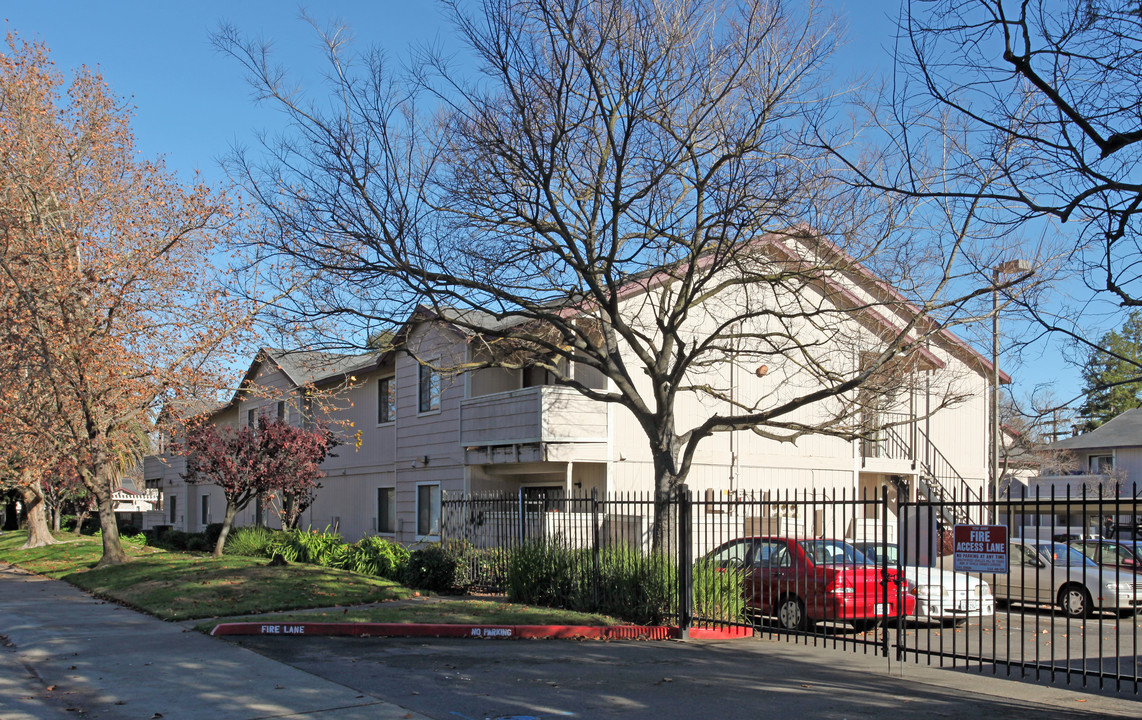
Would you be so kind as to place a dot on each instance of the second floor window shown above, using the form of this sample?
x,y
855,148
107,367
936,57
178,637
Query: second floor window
x,y
429,389
386,401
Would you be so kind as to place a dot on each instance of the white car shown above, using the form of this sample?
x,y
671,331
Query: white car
x,y
940,594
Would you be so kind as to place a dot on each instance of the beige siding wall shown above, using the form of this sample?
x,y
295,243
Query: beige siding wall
x,y
812,461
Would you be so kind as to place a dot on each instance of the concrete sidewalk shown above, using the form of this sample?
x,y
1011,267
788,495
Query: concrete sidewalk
x,y
66,654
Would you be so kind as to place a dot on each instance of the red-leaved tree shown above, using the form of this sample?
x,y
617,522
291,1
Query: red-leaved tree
x,y
277,457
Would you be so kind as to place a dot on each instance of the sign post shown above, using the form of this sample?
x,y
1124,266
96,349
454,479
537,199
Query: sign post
x,y
980,548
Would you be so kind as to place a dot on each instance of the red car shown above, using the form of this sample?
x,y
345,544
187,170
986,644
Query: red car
x,y
802,581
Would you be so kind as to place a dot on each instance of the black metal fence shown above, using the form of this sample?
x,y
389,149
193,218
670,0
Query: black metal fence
x,y
870,571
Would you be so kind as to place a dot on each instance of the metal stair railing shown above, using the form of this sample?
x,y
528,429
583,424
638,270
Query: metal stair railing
x,y
885,442
941,483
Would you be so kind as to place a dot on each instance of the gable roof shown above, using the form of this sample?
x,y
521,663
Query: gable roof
x,y
305,367
311,367
1123,431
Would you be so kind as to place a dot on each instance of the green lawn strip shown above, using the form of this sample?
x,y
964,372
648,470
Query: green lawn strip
x,y
71,553
450,612
179,586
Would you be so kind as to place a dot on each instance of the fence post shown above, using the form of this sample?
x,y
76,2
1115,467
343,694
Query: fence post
x,y
884,570
595,544
685,563
522,519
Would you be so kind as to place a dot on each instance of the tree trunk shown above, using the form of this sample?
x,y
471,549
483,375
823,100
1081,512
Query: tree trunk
x,y
665,481
55,519
38,533
231,512
289,512
81,518
112,547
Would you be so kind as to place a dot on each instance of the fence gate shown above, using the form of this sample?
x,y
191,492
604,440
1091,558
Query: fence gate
x,y
861,571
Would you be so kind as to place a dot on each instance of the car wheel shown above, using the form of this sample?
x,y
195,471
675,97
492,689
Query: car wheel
x,y
865,625
791,614
1075,601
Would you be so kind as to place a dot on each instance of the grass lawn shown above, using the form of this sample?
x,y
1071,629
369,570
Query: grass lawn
x,y
182,586
461,611
185,586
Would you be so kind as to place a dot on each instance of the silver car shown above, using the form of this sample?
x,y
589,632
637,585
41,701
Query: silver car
x,y
1054,573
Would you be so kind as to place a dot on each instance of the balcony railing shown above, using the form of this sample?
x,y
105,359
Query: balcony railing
x,y
532,415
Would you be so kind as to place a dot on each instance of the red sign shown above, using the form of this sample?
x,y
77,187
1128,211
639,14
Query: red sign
x,y
980,548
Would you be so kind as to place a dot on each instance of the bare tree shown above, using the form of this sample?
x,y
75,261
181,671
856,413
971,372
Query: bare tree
x,y
1042,99
625,187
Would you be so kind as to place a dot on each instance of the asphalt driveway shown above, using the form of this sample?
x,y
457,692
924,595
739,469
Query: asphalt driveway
x,y
724,680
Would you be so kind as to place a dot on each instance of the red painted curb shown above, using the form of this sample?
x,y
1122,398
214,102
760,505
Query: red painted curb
x,y
583,632
724,633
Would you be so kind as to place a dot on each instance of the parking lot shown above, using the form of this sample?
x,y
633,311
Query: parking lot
x,y
751,678
1028,636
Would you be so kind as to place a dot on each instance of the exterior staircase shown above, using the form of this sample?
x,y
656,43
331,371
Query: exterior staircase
x,y
938,480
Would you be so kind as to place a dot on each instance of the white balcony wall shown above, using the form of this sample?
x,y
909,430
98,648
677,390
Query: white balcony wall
x,y
536,414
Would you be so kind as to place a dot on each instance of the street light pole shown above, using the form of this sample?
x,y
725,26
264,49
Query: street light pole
x,y
1011,267
995,395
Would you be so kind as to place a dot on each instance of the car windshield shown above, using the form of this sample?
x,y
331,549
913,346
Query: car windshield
x,y
1061,554
828,552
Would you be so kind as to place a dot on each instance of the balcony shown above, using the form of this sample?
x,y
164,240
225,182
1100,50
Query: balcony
x,y
129,501
533,424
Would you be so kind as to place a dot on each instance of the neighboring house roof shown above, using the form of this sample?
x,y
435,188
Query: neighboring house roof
x,y
1123,431
1018,452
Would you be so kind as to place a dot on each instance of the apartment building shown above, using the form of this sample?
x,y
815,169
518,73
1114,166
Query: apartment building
x,y
415,428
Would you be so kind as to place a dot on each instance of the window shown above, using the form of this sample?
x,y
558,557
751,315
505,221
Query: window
x,y
173,504
156,484
1023,555
428,389
283,411
252,418
771,553
428,509
1101,464
732,555
205,510
386,510
386,401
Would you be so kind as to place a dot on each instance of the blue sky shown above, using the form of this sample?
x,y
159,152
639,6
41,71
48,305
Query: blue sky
x,y
192,104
